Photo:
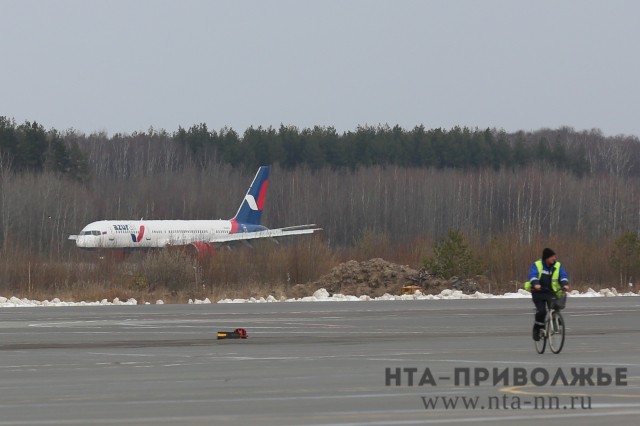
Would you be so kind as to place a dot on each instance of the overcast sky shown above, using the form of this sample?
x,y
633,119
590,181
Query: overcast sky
x,y
123,66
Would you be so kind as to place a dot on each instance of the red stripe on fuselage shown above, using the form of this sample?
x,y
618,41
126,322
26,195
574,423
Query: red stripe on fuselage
x,y
141,234
234,226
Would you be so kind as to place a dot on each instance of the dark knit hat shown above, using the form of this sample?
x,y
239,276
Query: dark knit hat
x,y
547,253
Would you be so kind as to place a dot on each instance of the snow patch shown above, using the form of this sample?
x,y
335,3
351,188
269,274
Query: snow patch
x,y
14,302
197,302
321,295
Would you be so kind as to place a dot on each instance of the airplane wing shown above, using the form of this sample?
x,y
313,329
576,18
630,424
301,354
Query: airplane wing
x,y
269,233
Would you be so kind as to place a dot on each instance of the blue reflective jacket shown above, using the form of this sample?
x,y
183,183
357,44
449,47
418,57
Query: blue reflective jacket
x,y
559,277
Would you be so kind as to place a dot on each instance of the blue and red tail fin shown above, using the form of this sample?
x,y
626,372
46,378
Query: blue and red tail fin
x,y
250,211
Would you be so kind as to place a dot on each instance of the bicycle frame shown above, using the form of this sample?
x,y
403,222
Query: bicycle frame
x,y
554,331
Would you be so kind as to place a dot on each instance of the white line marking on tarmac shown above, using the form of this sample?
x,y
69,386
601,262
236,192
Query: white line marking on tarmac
x,y
493,419
212,418
121,354
471,361
590,315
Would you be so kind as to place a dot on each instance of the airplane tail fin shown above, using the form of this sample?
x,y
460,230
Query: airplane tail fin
x,y
250,211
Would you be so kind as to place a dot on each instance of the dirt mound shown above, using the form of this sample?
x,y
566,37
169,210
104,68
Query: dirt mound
x,y
376,277
373,277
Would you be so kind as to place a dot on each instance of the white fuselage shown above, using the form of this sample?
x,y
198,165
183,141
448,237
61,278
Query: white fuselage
x,y
151,233
204,235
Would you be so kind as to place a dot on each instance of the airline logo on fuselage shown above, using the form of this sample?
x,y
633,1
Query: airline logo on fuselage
x,y
136,236
140,235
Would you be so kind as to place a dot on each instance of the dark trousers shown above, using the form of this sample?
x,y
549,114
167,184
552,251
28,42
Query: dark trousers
x,y
540,300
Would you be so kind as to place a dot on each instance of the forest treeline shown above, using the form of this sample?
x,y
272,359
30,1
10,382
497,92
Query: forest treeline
x,y
578,192
29,147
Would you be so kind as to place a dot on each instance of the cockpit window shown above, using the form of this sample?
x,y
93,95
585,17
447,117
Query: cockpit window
x,y
90,233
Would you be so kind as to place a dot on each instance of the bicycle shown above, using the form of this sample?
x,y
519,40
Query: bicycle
x,y
554,327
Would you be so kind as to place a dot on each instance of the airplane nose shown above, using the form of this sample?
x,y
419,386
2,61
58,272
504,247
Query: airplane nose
x,y
85,241
80,241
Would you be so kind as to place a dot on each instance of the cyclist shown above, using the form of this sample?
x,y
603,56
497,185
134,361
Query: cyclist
x,y
547,281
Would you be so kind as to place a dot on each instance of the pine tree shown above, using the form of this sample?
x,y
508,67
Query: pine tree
x,y
453,257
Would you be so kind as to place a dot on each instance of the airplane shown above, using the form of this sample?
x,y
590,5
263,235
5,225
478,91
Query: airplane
x,y
205,236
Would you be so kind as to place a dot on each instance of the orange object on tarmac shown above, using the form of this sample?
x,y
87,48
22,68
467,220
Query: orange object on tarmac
x,y
238,333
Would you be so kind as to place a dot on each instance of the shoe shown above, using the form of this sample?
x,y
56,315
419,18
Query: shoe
x,y
538,332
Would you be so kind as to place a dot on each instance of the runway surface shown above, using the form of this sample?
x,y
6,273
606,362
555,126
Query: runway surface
x,y
346,363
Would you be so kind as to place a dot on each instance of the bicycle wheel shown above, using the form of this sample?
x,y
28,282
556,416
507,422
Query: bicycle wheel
x,y
556,332
542,343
